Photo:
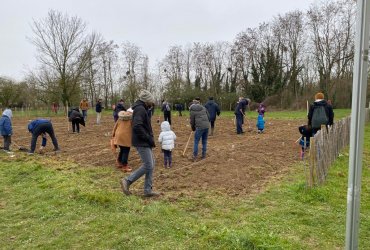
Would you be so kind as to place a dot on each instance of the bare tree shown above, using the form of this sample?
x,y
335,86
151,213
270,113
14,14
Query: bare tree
x,y
64,50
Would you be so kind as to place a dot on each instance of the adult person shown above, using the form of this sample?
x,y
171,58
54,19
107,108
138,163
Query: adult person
x,y
320,113
166,109
84,106
213,110
98,110
118,108
143,141
41,127
239,114
179,107
76,118
54,107
199,121
6,129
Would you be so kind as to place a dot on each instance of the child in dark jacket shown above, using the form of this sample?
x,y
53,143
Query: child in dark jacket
x,y
306,133
6,128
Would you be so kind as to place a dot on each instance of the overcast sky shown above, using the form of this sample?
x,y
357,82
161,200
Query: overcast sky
x,y
153,25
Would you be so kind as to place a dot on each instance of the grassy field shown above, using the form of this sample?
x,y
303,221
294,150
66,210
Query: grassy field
x,y
59,205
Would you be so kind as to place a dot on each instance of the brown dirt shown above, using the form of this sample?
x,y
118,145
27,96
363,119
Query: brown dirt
x,y
235,164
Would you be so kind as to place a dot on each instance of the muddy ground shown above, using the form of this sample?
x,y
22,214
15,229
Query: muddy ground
x,y
235,164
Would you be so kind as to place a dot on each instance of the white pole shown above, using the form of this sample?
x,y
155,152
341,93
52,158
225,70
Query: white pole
x,y
357,122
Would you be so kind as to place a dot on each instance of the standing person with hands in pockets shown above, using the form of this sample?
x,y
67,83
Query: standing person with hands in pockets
x,y
6,129
167,138
320,113
143,141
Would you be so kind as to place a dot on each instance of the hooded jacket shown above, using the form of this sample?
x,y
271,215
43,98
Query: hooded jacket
x,y
212,109
6,123
167,137
142,132
199,117
122,131
328,110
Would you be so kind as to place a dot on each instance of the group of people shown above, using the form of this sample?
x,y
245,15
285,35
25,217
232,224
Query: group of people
x,y
133,129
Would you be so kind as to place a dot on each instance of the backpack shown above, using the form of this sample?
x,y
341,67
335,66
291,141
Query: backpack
x,y
168,107
319,117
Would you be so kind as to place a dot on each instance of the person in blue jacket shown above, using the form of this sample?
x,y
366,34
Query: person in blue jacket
x,y
6,128
213,110
41,127
260,124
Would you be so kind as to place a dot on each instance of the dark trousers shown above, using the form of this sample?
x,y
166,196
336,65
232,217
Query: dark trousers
x,y
213,124
43,128
76,125
239,123
167,157
167,116
123,154
180,114
7,141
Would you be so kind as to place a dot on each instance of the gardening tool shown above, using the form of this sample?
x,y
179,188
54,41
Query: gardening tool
x,y
186,146
249,125
19,147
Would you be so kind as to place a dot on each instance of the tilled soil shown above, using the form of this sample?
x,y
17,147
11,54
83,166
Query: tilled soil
x,y
235,164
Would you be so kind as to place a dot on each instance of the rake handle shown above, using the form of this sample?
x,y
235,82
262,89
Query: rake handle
x,y
187,144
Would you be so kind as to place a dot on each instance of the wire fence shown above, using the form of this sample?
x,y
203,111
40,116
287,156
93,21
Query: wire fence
x,y
326,146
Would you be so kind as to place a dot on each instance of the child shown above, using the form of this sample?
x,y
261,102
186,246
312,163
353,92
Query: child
x,y
261,109
260,124
167,138
306,133
6,129
122,133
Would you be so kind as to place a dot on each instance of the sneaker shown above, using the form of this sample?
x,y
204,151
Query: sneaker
x,y
125,186
151,194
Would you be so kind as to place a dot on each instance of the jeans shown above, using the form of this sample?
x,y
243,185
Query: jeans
x,y
7,141
84,114
200,133
167,157
123,155
239,123
146,155
98,117
43,128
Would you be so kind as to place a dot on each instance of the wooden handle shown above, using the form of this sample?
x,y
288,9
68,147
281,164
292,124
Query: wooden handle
x,y
186,146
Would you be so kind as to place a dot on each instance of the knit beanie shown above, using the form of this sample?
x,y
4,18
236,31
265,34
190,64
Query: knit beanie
x,y
146,96
319,96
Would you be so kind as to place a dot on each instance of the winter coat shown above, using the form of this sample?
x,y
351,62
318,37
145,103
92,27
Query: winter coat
x,y
260,123
84,105
33,124
199,117
261,109
122,131
212,109
142,132
166,108
98,107
75,114
167,137
328,110
6,123
119,107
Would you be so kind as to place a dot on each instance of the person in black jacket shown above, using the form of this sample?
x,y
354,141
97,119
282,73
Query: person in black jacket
x,y
117,108
320,113
98,110
76,118
166,109
143,141
213,110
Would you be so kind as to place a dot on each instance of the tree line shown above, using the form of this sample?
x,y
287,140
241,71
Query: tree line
x,y
282,62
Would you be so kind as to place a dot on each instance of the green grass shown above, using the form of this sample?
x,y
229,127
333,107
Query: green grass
x,y
58,205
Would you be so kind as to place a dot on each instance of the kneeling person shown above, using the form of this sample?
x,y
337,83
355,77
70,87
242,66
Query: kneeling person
x,y
41,127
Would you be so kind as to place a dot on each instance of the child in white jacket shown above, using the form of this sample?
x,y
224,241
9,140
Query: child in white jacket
x,y
167,138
